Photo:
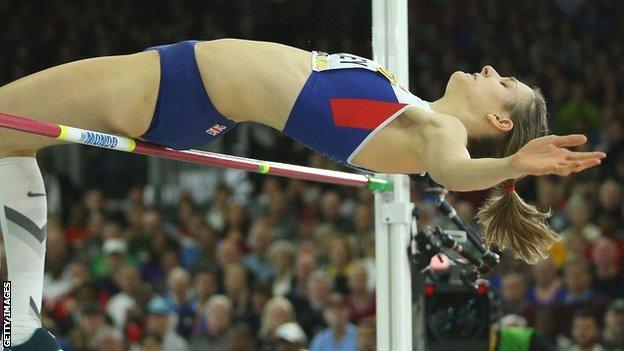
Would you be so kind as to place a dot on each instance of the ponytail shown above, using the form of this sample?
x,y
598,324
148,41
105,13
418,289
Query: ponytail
x,y
510,222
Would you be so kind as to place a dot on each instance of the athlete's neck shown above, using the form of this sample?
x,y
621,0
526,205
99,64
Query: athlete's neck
x,y
458,109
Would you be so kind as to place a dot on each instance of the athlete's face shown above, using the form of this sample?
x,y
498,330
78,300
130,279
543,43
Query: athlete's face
x,y
487,94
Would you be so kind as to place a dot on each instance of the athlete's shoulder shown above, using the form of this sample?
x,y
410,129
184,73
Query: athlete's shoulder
x,y
436,125
450,126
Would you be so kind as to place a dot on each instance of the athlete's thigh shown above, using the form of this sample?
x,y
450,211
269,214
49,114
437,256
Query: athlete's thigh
x,y
113,94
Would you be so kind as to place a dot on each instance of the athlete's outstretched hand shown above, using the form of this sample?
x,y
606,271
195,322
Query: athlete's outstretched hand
x,y
548,155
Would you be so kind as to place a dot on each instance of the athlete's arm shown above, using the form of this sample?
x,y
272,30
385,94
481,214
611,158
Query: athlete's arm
x,y
445,157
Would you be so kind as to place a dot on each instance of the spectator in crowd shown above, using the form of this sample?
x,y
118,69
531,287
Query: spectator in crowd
x,y
613,143
578,113
179,298
290,337
610,208
235,282
207,250
514,295
363,239
579,214
579,292
340,334
585,331
277,311
575,249
190,248
310,312
110,340
205,285
228,251
366,335
151,342
152,223
546,322
284,223
609,274
91,323
236,222
161,258
160,320
63,308
257,261
218,314
549,197
330,212
547,289
363,227
114,259
132,296
360,300
578,284
185,213
270,188
260,295
215,216
613,332
240,338
282,254
610,196
94,201
305,265
339,259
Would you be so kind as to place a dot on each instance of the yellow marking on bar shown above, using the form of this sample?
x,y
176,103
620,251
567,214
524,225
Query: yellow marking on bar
x,y
131,145
64,132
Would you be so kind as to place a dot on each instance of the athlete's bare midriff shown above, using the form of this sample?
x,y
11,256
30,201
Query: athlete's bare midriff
x,y
253,81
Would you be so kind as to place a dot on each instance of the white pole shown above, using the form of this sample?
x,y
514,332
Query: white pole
x,y
393,209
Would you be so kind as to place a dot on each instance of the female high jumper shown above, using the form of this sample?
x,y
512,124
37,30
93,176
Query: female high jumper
x,y
486,131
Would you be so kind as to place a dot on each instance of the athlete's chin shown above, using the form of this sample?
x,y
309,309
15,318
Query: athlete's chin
x,y
459,77
458,83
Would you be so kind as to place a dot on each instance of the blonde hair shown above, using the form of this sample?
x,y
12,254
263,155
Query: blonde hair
x,y
216,301
267,327
510,222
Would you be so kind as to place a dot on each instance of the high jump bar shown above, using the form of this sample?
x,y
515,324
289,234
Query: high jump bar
x,y
119,143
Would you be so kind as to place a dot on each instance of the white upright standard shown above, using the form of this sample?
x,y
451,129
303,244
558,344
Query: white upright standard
x,y
393,209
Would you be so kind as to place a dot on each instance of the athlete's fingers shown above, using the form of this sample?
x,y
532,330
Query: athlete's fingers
x,y
568,140
586,164
585,155
564,168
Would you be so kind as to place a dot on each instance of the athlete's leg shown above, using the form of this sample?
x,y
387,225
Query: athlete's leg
x,y
23,213
110,94
114,94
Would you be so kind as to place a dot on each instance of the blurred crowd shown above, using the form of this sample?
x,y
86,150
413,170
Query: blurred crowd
x,y
222,276
291,265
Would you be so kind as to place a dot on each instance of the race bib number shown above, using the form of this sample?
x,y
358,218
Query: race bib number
x,y
322,61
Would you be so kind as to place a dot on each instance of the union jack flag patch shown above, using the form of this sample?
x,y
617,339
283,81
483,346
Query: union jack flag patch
x,y
216,129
